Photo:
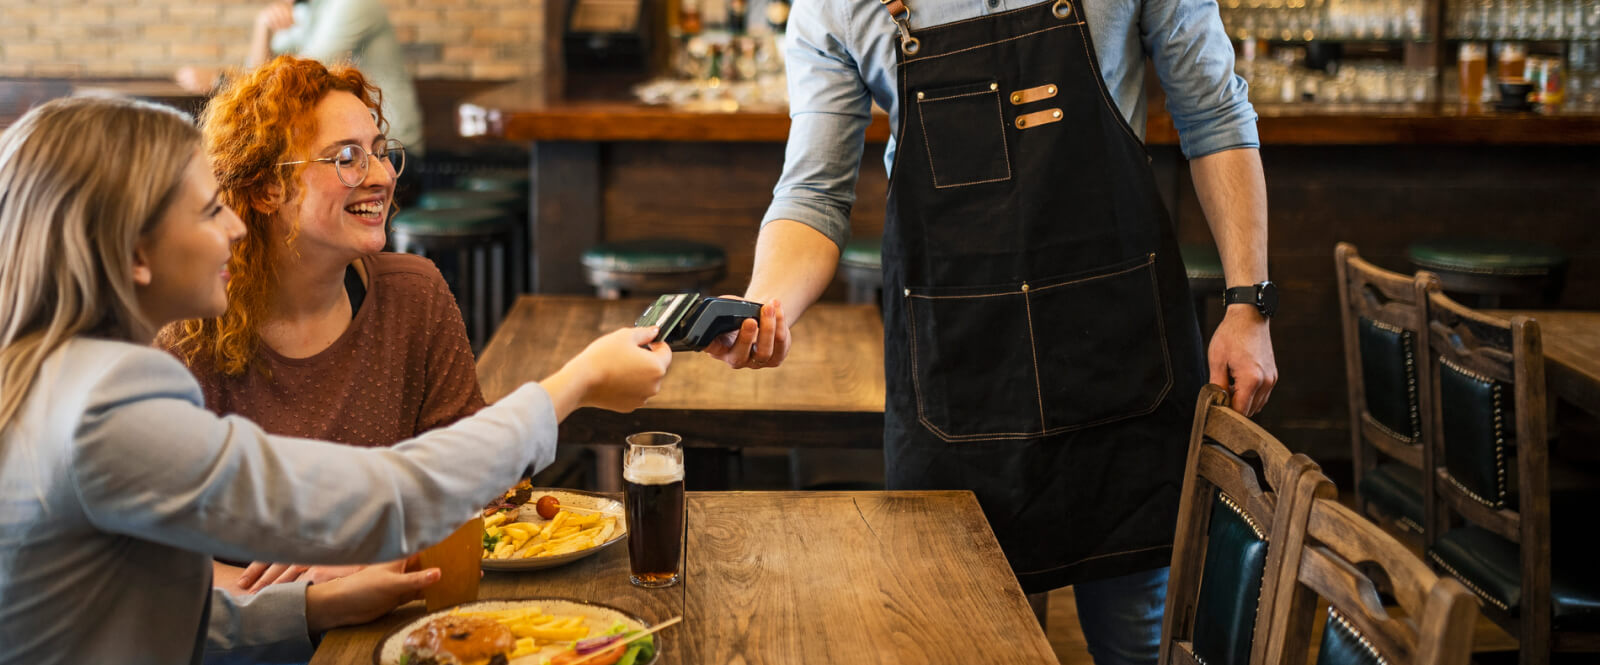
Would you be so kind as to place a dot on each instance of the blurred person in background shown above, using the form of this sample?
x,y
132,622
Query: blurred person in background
x,y
355,32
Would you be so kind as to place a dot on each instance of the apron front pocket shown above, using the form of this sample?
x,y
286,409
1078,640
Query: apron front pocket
x,y
1033,359
965,136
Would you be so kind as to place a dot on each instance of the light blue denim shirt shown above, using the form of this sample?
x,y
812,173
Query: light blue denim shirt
x,y
841,58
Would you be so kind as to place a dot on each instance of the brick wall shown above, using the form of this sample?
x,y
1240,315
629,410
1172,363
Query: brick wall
x,y
445,39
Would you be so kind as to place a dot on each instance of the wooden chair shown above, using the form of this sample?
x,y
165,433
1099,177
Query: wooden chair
x,y
1383,346
1491,517
1222,557
1327,556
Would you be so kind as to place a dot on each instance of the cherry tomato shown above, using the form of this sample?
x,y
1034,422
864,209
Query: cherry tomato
x,y
548,506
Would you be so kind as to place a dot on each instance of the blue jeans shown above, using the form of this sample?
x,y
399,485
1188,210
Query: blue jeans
x,y
1121,617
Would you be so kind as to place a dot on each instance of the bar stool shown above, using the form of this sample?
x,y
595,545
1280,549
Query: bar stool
x,y
496,180
1203,265
845,469
1488,269
513,204
653,265
474,235
511,180
861,266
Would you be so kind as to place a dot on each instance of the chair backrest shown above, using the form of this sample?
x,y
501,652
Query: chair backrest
x,y
1489,398
1383,342
1220,581
1331,556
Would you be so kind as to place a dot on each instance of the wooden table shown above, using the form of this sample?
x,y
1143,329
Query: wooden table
x,y
801,577
828,393
1571,353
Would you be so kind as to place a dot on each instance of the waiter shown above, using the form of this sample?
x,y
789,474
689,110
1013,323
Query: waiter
x,y
1041,348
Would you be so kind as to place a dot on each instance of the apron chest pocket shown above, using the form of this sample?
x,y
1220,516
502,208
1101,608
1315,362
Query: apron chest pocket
x,y
965,135
1049,356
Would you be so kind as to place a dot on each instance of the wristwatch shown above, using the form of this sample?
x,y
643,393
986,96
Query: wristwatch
x,y
1264,296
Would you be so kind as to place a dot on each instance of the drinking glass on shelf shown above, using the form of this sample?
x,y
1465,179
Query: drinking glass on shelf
x,y
1471,64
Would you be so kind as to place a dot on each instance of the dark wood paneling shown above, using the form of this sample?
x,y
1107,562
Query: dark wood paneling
x,y
1382,198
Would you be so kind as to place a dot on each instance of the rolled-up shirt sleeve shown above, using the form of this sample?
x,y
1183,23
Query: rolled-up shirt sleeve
x,y
1193,57
829,109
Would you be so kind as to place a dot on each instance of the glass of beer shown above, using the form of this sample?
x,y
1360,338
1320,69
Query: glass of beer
x,y
1472,62
652,475
459,558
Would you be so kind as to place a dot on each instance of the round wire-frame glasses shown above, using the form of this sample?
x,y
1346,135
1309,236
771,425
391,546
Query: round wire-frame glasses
x,y
350,162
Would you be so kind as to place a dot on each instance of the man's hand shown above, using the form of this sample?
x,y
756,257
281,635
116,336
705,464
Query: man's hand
x,y
755,345
1241,358
276,16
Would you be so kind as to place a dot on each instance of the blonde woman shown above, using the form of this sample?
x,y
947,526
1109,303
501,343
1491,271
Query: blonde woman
x,y
117,485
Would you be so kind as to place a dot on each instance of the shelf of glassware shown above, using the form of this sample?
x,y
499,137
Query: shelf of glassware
x,y
1327,20
1524,20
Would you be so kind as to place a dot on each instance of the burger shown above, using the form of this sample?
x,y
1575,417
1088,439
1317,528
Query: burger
x,y
459,640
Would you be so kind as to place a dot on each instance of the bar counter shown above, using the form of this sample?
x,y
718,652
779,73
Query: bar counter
x,y
518,112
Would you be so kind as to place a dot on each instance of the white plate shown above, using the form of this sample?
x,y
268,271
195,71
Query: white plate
x,y
601,619
578,499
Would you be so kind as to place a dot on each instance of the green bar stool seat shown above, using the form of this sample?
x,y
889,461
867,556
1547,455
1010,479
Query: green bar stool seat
x,y
861,266
496,180
1203,265
1489,269
437,199
653,265
481,240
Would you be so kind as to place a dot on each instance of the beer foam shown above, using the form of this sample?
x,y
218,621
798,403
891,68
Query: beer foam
x,y
653,469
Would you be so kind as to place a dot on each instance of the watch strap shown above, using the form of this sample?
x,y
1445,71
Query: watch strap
x,y
1239,295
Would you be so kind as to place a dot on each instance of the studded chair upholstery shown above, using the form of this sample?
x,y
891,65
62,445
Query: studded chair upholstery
x,y
1383,344
1493,522
1229,516
1336,555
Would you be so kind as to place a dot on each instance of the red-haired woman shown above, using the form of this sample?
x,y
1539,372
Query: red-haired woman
x,y
325,336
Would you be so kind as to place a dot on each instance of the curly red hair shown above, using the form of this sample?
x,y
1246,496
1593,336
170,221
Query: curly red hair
x,y
258,119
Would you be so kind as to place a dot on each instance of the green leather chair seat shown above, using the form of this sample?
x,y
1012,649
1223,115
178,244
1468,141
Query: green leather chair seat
x,y
1484,256
436,199
1490,565
451,221
496,180
1201,261
1230,587
654,255
1397,491
863,253
1342,645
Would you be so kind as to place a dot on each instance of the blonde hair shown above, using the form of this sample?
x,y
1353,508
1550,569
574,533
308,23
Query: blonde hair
x,y
80,180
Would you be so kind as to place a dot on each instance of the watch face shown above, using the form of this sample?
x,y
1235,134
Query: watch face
x,y
1267,298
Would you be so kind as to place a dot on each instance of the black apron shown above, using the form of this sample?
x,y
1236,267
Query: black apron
x,y
1041,347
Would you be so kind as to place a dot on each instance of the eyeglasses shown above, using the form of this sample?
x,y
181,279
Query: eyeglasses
x,y
351,161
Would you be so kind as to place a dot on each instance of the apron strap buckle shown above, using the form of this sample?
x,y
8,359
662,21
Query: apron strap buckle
x,y
900,15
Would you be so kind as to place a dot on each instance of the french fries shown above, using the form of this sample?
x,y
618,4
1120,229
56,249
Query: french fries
x,y
533,628
567,532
